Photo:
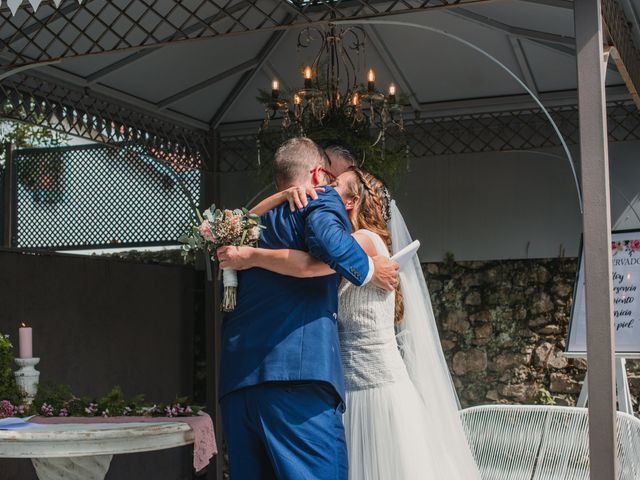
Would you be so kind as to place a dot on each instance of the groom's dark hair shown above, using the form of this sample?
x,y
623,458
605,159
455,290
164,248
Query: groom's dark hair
x,y
295,159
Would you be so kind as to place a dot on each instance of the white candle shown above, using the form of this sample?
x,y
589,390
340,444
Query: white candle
x,y
25,341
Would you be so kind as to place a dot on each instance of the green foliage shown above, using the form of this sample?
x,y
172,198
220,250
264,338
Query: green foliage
x,y
23,135
385,159
59,400
8,387
543,397
449,258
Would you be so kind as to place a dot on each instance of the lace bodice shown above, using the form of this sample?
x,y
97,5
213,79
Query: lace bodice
x,y
368,346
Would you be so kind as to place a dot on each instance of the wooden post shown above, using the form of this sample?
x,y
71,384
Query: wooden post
x,y
213,320
9,217
594,161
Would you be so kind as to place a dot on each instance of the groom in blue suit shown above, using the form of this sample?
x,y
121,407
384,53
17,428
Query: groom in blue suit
x,y
281,380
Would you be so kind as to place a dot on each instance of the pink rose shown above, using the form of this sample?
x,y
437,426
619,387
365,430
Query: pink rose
x,y
205,231
614,246
634,245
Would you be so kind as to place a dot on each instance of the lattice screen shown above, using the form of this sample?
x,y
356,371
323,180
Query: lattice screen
x,y
96,196
471,133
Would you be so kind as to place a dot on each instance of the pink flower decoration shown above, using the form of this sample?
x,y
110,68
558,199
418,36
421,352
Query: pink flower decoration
x,y
614,246
634,245
46,410
6,409
205,231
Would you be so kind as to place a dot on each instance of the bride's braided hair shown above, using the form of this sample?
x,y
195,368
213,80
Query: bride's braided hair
x,y
374,213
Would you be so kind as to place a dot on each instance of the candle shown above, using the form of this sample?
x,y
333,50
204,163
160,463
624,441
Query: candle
x,y
25,341
371,77
308,73
392,93
275,89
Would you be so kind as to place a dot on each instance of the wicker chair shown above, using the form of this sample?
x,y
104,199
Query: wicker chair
x,y
527,442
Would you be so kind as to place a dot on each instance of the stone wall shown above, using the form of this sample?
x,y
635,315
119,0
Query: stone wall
x,y
503,327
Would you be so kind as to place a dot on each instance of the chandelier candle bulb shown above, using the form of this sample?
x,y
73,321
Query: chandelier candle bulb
x,y
25,337
275,89
392,93
371,80
308,74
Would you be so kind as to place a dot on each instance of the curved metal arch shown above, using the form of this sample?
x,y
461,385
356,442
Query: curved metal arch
x,y
497,62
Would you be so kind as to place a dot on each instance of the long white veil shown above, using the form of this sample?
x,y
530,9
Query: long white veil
x,y
419,342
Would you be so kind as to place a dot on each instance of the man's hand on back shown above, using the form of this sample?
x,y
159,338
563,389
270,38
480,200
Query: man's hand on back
x,y
385,273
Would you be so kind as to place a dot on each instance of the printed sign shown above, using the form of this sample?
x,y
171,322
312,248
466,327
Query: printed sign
x,y
625,249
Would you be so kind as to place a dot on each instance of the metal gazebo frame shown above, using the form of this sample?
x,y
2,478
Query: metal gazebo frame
x,y
30,92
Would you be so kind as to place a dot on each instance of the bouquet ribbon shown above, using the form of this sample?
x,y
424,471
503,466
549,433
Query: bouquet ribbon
x,y
230,282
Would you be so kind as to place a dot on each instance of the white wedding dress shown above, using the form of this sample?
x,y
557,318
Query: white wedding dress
x,y
392,433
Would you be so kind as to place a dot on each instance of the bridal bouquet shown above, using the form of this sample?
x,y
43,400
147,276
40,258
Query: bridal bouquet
x,y
222,228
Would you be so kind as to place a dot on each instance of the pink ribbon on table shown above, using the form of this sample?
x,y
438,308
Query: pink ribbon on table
x,y
204,445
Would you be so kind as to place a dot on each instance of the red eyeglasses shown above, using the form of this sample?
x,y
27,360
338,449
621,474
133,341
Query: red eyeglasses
x,y
332,178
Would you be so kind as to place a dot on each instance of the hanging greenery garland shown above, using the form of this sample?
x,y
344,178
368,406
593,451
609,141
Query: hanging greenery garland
x,y
384,157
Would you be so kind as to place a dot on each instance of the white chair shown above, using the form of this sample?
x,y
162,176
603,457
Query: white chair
x,y
531,442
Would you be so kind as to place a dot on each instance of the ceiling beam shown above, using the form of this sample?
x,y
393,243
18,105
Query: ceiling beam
x,y
57,76
391,64
240,68
566,4
559,43
568,51
512,30
264,55
523,63
143,52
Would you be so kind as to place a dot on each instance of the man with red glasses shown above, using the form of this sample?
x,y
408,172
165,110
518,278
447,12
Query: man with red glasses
x,y
281,378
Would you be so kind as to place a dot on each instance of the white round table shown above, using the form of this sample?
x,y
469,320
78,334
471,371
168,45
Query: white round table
x,y
84,451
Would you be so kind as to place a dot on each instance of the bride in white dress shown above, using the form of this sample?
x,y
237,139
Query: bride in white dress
x,y
401,419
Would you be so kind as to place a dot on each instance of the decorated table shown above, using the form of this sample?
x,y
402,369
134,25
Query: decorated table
x,y
82,448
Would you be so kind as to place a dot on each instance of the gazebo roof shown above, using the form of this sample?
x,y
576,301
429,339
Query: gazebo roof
x,y
181,69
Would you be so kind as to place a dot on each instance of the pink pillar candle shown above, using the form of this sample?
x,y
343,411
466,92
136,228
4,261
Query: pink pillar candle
x,y
26,342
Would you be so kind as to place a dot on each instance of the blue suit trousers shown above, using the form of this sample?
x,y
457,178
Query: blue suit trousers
x,y
285,431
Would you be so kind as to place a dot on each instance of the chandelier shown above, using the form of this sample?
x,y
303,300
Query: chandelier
x,y
332,92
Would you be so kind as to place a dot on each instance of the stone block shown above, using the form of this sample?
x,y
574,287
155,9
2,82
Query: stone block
x,y
469,361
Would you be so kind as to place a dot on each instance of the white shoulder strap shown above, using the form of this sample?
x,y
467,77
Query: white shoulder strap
x,y
381,248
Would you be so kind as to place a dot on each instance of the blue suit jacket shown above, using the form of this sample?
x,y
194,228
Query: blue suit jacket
x,y
285,328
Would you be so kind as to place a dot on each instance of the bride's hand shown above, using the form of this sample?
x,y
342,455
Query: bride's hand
x,y
297,196
236,258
